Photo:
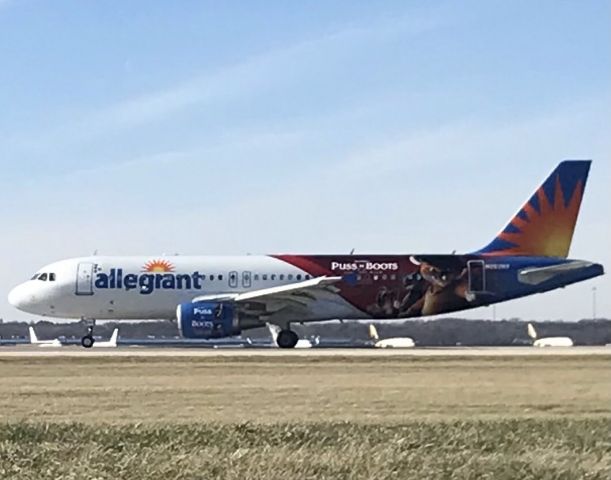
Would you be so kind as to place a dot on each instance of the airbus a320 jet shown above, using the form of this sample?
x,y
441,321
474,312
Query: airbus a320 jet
x,y
219,296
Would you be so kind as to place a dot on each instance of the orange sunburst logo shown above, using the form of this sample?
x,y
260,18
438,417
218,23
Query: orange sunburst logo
x,y
158,266
546,230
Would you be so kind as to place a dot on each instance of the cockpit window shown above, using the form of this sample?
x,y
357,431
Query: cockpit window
x,y
52,277
43,277
35,276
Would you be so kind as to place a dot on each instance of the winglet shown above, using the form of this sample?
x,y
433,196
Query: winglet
x,y
544,226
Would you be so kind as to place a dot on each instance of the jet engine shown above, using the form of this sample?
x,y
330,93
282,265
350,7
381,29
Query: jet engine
x,y
207,319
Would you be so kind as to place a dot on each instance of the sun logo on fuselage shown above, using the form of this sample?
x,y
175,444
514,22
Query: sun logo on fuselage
x,y
158,266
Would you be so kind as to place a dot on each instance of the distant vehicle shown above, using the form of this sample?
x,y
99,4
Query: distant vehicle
x,y
548,341
274,330
43,343
112,343
214,297
395,342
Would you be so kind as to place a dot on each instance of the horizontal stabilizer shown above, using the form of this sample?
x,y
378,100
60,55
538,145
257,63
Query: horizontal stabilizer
x,y
537,275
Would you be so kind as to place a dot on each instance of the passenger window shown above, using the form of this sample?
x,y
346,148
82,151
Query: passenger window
x,y
282,276
43,277
256,277
308,277
51,277
273,276
299,276
290,276
265,276
220,277
211,277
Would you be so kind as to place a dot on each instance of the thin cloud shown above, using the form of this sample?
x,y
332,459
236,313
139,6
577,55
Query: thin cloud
x,y
231,81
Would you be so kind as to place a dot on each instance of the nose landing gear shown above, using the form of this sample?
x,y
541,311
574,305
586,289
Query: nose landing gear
x,y
87,341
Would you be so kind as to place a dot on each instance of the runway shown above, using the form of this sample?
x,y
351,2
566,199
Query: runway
x,y
151,352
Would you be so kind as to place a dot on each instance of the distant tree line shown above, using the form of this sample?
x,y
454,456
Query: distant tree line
x,y
432,332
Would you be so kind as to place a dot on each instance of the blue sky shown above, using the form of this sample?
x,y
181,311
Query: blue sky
x,y
233,127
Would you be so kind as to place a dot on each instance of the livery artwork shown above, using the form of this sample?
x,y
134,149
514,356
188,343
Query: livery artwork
x,y
400,286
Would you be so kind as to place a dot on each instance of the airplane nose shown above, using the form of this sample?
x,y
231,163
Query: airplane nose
x,y
18,297
15,297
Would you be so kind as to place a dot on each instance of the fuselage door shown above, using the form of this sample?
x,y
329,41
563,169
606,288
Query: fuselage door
x,y
477,275
246,280
233,279
84,278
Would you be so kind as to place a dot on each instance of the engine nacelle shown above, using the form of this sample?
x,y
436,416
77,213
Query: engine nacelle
x,y
207,319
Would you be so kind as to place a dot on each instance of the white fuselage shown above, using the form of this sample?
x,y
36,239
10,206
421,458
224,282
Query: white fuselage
x,y
397,342
152,287
553,342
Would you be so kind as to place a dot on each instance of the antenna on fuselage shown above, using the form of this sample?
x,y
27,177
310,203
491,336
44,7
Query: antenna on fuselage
x,y
95,252
352,252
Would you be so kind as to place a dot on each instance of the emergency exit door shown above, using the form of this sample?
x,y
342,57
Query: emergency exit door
x,y
246,279
233,279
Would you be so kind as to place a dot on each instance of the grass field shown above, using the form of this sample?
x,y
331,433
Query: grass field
x,y
302,417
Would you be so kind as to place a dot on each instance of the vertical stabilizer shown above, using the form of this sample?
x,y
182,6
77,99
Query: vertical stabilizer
x,y
33,337
274,330
532,333
544,226
373,332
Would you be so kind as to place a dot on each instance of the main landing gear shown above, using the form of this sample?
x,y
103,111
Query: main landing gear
x,y
287,339
87,341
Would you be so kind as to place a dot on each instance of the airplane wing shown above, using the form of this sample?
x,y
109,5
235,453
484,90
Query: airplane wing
x,y
267,301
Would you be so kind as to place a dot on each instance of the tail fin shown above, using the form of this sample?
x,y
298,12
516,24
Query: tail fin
x,y
114,337
373,332
274,330
33,337
532,333
544,226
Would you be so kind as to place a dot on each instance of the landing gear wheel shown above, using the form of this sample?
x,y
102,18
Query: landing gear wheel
x,y
87,341
287,339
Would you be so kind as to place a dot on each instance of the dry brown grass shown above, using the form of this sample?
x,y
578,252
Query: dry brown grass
x,y
300,417
297,389
553,448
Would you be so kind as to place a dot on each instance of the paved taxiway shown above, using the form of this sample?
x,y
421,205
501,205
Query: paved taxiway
x,y
34,351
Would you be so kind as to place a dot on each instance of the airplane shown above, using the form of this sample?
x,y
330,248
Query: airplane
x,y
548,341
220,296
396,342
42,343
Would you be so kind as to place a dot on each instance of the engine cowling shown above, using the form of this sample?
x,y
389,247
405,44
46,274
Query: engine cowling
x,y
207,319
